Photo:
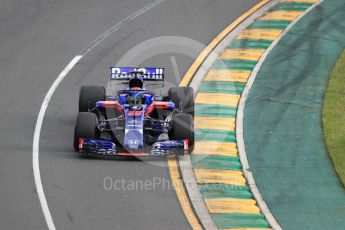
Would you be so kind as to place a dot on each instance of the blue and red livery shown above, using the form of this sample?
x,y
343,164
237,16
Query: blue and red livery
x,y
134,121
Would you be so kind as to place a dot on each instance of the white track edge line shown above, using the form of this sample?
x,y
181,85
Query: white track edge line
x,y
35,148
49,95
239,125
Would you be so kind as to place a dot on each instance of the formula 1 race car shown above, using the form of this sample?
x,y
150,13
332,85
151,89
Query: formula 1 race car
x,y
132,120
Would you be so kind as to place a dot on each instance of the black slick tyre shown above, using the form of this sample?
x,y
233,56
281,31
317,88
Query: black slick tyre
x,y
89,95
85,127
183,129
183,97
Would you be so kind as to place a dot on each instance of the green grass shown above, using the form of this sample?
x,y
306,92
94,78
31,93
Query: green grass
x,y
334,117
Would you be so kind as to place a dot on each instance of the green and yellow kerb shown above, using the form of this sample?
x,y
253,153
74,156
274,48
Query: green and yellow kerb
x,y
215,160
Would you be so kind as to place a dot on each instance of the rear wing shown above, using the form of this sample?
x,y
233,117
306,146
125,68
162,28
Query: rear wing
x,y
147,74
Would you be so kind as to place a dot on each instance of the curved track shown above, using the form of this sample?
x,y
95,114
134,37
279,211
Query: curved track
x,y
38,38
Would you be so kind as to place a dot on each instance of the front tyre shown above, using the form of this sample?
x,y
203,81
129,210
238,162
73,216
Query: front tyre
x,y
183,98
89,96
85,127
182,129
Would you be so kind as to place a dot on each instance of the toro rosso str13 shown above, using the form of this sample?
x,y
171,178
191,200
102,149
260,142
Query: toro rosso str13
x,y
129,119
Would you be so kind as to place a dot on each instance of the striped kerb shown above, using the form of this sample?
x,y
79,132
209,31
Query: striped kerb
x,y
215,160
227,75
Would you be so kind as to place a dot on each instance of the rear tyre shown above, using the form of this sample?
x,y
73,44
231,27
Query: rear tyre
x,y
85,127
182,129
183,97
89,95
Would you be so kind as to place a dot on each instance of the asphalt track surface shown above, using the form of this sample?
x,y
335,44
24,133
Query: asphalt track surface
x,y
37,40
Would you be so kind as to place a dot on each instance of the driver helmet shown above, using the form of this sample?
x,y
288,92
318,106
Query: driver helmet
x,y
135,83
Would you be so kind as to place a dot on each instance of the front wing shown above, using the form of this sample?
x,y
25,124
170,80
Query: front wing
x,y
108,148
